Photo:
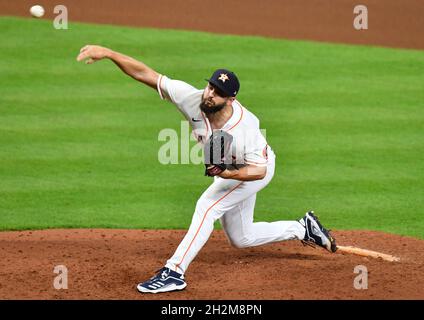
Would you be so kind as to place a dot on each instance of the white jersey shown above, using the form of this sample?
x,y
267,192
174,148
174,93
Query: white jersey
x,y
249,145
229,200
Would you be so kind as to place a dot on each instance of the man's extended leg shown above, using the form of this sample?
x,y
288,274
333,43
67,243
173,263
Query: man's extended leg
x,y
210,207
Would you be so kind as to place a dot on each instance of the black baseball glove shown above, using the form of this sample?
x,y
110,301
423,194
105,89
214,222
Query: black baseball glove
x,y
217,151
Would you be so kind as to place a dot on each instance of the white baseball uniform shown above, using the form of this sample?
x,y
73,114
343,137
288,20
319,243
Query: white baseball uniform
x,y
231,201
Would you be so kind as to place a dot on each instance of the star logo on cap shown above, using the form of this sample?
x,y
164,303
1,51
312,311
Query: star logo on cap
x,y
223,77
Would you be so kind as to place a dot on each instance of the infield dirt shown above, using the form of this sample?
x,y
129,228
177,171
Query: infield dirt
x,y
108,264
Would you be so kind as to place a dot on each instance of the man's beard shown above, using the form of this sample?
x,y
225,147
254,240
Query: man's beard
x,y
209,110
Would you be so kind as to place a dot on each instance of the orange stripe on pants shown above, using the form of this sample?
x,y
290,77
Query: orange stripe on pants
x,y
204,216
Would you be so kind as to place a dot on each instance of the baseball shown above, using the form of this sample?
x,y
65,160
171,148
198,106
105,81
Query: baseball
x,y
37,11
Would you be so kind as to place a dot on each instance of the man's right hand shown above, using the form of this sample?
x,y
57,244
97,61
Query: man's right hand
x,y
135,69
93,53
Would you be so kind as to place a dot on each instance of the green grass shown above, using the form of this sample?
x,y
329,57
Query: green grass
x,y
78,143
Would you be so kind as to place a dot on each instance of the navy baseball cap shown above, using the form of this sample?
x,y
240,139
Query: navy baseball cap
x,y
226,81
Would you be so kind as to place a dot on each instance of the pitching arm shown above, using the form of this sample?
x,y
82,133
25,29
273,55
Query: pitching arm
x,y
135,69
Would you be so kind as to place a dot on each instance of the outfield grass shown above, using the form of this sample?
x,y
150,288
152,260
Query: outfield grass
x,y
78,143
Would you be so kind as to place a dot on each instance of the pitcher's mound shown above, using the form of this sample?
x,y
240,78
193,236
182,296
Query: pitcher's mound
x,y
108,264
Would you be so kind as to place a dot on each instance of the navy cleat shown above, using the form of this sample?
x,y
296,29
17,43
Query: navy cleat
x,y
164,281
316,234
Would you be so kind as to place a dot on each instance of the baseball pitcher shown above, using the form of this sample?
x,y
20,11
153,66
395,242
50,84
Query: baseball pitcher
x,y
237,157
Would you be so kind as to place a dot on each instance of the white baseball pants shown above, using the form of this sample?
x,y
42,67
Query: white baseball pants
x,y
232,202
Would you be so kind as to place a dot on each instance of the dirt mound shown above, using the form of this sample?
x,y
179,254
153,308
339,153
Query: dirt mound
x,y
107,264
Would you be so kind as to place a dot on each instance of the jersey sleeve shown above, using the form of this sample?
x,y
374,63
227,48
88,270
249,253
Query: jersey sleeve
x,y
256,149
175,91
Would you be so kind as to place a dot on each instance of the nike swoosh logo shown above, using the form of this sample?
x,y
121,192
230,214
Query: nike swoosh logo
x,y
196,120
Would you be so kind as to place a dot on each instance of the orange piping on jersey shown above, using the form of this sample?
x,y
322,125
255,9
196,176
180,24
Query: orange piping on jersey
x,y
204,217
265,152
160,87
241,116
